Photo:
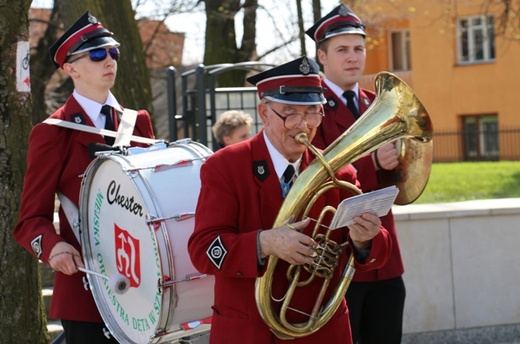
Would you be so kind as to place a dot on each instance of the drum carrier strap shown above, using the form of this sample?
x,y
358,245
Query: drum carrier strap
x,y
123,135
71,212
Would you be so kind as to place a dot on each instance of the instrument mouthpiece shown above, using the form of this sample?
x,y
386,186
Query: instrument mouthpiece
x,y
302,138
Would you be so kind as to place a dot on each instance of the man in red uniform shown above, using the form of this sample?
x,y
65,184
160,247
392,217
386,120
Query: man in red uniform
x,y
56,159
243,188
375,298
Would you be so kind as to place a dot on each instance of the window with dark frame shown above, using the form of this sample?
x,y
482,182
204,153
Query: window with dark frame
x,y
400,51
480,135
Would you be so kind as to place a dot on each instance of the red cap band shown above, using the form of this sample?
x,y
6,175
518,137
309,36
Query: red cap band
x,y
288,80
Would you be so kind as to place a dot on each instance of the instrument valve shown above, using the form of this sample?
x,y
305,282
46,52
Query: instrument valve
x,y
327,258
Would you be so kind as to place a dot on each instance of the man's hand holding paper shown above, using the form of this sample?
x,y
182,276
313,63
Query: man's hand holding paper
x,y
376,202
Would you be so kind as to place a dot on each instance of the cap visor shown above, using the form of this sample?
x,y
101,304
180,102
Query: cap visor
x,y
96,43
298,98
345,31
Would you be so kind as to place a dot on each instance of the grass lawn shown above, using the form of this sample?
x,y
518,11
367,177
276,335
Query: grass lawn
x,y
454,182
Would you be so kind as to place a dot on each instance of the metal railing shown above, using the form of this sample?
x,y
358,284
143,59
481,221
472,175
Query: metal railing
x,y
455,146
202,101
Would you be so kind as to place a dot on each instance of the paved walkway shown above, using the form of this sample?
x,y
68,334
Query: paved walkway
x,y
503,334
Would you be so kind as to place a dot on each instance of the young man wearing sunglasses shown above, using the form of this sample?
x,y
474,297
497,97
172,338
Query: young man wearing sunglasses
x,y
57,157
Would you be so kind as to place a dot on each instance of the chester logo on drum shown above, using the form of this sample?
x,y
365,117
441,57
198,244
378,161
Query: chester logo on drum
x,y
114,197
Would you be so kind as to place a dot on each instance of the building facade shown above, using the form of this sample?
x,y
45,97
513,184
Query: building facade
x,y
460,63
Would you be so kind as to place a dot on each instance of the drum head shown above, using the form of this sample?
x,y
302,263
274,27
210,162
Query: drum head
x,y
117,242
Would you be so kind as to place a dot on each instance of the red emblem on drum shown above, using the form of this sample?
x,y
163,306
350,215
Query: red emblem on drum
x,y
128,258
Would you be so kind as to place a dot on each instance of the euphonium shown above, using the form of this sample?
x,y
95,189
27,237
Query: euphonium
x,y
395,114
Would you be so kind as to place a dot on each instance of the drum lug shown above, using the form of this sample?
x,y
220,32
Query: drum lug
x,y
86,285
132,173
107,333
152,219
166,283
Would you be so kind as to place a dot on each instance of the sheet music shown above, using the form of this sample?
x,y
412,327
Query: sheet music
x,y
376,202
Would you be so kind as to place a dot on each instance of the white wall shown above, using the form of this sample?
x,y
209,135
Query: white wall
x,y
462,264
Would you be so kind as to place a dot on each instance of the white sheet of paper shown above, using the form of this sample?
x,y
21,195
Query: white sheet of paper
x,y
376,202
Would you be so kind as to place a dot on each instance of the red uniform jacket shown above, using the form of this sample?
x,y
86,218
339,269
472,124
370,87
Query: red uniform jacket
x,y
56,159
240,195
338,118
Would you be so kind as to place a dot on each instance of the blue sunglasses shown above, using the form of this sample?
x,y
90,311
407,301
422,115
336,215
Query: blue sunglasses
x,y
100,54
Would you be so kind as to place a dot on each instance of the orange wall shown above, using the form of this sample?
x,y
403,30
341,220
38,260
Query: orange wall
x,y
378,58
448,91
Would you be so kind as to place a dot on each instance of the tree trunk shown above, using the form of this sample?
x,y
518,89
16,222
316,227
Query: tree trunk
x,y
316,15
301,29
248,49
42,69
22,319
221,45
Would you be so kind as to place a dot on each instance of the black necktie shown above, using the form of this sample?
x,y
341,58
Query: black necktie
x,y
351,96
109,124
287,179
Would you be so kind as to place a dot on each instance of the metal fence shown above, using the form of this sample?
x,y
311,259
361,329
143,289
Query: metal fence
x,y
202,102
455,146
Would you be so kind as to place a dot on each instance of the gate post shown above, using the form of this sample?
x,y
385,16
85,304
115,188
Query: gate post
x,y
172,102
201,105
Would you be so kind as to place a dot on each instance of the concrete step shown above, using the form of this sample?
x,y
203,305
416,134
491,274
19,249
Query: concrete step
x,y
55,329
503,334
46,275
53,325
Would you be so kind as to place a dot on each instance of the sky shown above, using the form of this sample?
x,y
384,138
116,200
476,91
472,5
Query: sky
x,y
275,21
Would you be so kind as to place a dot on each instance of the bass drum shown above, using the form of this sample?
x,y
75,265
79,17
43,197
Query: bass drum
x,y
136,214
